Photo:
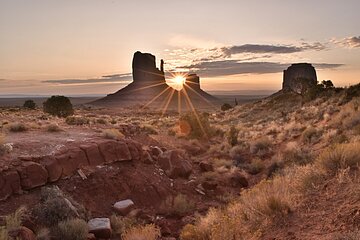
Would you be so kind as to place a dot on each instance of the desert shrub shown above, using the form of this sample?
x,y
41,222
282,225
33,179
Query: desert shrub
x,y
59,106
101,121
53,128
113,121
222,163
76,120
268,199
202,228
12,222
236,152
72,229
17,127
310,135
255,167
226,107
260,146
120,224
340,156
54,207
29,104
351,92
149,129
293,154
177,205
112,134
304,178
2,144
43,234
232,136
146,232
198,124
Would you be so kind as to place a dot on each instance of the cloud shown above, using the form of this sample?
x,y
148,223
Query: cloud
x,y
233,67
271,49
104,79
349,42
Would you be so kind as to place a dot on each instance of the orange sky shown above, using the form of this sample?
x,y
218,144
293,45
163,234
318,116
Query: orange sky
x,y
232,45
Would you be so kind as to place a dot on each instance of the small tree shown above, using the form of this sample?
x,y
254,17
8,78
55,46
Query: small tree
x,y
58,106
30,104
327,84
226,107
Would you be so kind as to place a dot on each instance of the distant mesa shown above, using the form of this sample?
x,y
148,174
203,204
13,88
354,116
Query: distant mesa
x,y
149,88
296,75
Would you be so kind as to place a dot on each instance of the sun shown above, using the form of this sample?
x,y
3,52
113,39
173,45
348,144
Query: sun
x,y
178,81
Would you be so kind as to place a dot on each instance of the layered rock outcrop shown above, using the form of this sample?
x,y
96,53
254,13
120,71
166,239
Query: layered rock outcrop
x,y
297,75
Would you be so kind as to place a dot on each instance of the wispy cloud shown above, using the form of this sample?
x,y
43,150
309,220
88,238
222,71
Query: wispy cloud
x,y
349,42
271,49
233,67
104,79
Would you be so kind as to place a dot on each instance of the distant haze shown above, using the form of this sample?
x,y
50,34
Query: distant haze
x,y
85,47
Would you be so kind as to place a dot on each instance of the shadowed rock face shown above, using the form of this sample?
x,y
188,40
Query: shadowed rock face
x,y
297,72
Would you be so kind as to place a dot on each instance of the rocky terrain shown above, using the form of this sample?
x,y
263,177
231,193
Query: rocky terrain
x,y
284,167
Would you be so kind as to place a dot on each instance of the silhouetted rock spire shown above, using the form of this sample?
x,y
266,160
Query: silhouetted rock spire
x,y
296,74
144,68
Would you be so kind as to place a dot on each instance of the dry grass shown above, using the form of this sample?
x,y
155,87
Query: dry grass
x,y
73,229
17,127
77,120
146,232
340,156
180,204
112,134
260,146
53,128
120,224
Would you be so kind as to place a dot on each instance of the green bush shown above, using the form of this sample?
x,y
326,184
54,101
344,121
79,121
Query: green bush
x,y
30,104
58,106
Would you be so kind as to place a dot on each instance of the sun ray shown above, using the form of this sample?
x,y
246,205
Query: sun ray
x,y
198,94
148,86
195,113
156,97
168,102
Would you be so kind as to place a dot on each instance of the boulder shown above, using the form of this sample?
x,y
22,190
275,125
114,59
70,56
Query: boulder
x,y
53,168
123,152
108,150
93,154
70,161
124,207
9,184
100,227
135,150
174,164
32,175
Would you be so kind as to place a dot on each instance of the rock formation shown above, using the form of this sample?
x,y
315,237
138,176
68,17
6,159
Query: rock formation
x,y
299,75
144,69
150,88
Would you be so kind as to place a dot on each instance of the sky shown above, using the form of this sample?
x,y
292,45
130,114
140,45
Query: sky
x,y
80,47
